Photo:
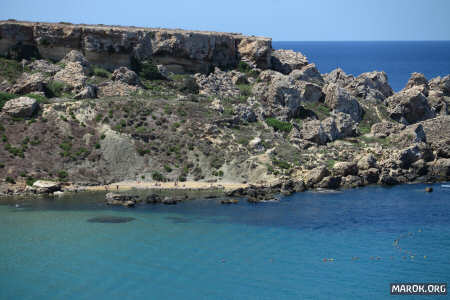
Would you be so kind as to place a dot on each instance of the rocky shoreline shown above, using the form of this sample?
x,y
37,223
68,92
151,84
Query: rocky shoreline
x,y
171,106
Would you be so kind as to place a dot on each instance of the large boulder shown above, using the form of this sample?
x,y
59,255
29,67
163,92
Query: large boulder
x,y
76,69
120,200
345,168
245,113
74,75
308,73
372,86
340,100
384,129
88,92
218,83
410,135
125,75
283,94
411,154
418,80
45,186
76,56
22,107
409,106
367,162
440,169
441,84
29,83
315,175
285,61
44,66
335,127
339,77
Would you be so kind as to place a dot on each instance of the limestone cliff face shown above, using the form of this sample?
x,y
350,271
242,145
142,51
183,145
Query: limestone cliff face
x,y
113,46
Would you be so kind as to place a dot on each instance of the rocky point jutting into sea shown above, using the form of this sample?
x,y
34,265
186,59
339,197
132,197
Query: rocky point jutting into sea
x,y
92,105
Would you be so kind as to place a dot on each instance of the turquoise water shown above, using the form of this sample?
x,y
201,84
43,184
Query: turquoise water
x,y
204,250
397,59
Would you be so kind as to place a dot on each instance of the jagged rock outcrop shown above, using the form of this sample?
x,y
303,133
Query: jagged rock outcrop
x,y
29,83
125,75
88,92
75,72
366,162
285,61
120,200
218,83
340,100
315,175
245,113
344,168
441,84
372,86
284,94
339,77
409,106
115,46
308,73
384,129
418,80
335,127
22,107
44,66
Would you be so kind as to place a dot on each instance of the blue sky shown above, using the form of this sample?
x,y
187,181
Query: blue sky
x,y
283,20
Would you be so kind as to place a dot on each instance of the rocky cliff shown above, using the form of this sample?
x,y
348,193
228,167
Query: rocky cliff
x,y
261,116
113,46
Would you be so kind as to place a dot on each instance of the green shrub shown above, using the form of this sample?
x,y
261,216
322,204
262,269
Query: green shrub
x,y
246,90
62,174
39,98
10,180
55,88
11,69
244,67
331,163
101,72
279,125
30,181
98,117
14,151
158,176
167,168
146,69
102,137
2,165
282,164
141,129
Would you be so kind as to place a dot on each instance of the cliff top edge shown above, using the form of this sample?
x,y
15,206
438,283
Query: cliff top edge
x,y
127,28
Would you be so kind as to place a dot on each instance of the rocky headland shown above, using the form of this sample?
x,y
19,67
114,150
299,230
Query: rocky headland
x,y
85,105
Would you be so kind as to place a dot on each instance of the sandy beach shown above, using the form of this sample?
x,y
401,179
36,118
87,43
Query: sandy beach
x,y
187,185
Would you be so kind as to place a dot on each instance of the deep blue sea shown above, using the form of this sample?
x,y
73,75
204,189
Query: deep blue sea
x,y
306,246
397,59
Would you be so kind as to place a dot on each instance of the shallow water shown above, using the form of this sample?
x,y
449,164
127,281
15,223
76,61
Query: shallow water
x,y
203,250
397,59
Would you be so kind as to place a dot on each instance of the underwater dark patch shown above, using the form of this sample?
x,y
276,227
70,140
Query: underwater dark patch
x,y
110,219
178,220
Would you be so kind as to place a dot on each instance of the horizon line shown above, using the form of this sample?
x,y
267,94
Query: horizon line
x,y
326,41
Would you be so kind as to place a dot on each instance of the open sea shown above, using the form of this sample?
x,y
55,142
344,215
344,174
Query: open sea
x,y
397,59
306,246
